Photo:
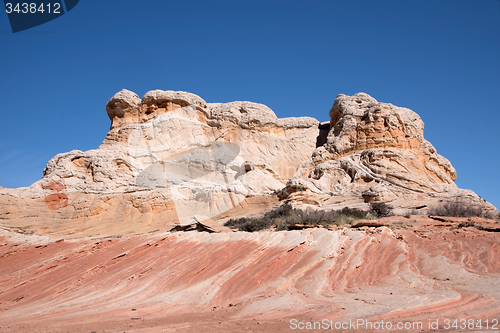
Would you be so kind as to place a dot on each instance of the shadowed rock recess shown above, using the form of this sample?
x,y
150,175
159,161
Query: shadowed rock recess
x,y
96,244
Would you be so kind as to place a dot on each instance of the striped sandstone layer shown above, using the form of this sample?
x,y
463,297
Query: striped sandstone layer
x,y
196,281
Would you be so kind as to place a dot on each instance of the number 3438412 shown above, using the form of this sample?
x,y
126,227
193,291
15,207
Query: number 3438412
x,y
32,8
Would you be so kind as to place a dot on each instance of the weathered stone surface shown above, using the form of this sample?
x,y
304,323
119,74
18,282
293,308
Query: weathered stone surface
x,y
171,155
122,103
221,282
170,152
173,163
126,107
377,152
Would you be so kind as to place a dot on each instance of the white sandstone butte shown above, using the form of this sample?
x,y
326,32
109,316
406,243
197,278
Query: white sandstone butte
x,y
171,156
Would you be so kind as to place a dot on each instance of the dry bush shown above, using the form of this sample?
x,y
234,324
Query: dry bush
x,y
381,209
459,208
411,212
248,224
285,215
491,215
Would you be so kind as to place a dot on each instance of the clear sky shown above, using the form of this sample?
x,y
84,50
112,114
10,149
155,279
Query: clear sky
x,y
440,58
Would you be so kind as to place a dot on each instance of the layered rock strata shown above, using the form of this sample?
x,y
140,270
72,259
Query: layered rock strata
x,y
167,157
198,282
170,156
377,152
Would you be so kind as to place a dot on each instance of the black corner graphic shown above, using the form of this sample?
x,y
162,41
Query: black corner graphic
x,y
25,15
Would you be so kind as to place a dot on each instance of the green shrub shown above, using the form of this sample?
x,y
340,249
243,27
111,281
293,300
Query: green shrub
x,y
466,224
370,216
285,215
345,219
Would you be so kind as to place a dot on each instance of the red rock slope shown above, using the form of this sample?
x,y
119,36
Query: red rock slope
x,y
192,282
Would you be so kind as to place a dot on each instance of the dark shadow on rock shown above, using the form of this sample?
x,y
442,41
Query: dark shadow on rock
x,y
324,128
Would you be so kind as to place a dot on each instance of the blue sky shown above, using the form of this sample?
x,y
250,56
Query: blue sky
x,y
438,58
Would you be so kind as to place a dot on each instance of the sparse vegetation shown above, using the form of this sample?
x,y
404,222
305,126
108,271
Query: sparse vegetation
x,y
285,215
460,208
381,209
248,224
466,224
411,212
401,224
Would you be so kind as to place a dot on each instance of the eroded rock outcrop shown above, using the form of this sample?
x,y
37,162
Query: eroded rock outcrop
x,y
170,156
167,157
377,152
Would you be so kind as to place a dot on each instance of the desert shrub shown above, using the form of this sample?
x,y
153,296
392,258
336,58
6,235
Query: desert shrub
x,y
283,210
381,209
281,217
280,223
458,208
400,224
248,224
466,224
285,215
370,215
354,212
345,219
411,212
491,215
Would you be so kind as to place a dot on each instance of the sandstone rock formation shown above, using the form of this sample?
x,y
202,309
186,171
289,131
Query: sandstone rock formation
x,y
170,156
128,237
377,152
166,158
